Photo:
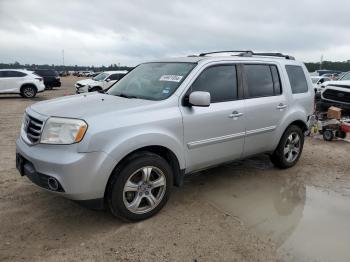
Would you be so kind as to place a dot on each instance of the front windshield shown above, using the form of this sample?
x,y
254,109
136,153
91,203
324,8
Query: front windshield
x,y
314,80
152,81
346,77
100,77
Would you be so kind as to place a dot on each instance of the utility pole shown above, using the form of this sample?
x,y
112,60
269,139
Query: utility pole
x,y
321,62
63,57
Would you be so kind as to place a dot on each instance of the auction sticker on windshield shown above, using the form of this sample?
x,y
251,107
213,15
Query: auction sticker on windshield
x,y
170,78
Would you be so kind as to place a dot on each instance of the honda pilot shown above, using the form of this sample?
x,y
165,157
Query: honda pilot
x,y
125,149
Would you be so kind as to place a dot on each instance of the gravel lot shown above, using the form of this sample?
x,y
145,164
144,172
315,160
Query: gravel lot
x,y
244,211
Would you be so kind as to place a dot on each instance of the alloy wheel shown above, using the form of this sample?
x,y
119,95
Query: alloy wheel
x,y
144,189
28,92
292,147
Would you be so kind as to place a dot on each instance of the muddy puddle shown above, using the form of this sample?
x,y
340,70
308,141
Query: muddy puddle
x,y
306,223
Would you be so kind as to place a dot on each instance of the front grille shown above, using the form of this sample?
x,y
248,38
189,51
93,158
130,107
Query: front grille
x,y
337,95
32,127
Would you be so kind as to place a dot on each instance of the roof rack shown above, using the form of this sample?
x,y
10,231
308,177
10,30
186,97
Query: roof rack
x,y
248,53
276,55
229,51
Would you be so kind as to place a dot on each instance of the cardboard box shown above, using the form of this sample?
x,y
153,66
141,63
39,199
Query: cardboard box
x,y
334,112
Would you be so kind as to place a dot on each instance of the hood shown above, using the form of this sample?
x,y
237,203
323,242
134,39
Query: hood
x,y
85,82
87,105
339,82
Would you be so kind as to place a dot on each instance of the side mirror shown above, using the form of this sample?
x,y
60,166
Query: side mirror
x,y
108,79
199,98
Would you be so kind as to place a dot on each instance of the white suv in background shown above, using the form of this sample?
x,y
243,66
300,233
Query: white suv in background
x,y
23,82
100,82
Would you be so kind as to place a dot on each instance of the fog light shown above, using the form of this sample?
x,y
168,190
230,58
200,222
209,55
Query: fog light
x,y
53,183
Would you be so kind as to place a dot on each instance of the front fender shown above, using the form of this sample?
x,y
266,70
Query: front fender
x,y
119,150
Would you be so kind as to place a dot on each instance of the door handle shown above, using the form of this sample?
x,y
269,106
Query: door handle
x,y
281,106
235,114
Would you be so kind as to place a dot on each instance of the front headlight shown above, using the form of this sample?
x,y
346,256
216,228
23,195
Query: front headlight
x,y
63,131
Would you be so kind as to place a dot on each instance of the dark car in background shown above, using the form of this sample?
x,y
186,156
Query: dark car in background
x,y
50,76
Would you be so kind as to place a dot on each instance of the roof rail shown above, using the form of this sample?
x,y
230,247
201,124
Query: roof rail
x,y
248,53
276,55
229,51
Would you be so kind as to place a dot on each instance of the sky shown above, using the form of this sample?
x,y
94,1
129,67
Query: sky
x,y
129,32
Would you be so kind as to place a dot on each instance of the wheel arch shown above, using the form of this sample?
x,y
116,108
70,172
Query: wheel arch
x,y
162,151
28,84
97,87
295,119
300,123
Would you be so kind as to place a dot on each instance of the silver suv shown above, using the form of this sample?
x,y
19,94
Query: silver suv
x,y
125,149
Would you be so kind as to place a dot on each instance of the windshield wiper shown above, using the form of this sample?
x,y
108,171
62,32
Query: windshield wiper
x,y
126,96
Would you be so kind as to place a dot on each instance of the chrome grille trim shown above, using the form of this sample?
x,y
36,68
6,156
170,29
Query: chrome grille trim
x,y
32,128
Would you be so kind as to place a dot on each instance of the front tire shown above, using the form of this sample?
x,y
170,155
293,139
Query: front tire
x,y
139,188
95,89
289,148
28,91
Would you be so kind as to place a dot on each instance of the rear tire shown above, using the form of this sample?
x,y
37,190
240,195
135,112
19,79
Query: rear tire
x,y
139,188
28,91
289,148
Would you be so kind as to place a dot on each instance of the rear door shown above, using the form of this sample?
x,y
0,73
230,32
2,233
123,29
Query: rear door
x,y
265,105
11,80
214,134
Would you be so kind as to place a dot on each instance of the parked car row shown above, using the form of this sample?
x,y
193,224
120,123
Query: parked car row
x,y
101,82
84,73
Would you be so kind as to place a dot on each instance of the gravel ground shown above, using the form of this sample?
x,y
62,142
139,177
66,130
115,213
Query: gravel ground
x,y
195,225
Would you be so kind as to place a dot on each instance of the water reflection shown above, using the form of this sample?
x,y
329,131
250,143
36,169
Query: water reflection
x,y
304,222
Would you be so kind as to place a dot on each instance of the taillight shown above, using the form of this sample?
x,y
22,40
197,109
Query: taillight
x,y
40,79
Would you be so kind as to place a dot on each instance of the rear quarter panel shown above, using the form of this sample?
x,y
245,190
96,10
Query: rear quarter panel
x,y
300,106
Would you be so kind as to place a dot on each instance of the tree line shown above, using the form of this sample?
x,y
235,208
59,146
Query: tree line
x,y
329,65
340,66
59,68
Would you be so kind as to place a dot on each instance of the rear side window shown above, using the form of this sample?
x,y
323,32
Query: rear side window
x,y
46,72
297,79
12,74
121,76
114,77
219,81
259,81
41,72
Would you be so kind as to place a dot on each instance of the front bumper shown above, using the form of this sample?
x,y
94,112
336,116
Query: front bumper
x,y
81,176
325,104
81,89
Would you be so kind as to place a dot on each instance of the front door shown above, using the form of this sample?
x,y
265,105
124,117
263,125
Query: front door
x,y
214,134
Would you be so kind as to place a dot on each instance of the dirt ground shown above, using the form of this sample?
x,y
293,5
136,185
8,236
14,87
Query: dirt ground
x,y
244,211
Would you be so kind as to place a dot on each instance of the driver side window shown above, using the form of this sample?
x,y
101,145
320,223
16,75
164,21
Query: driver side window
x,y
113,77
220,81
